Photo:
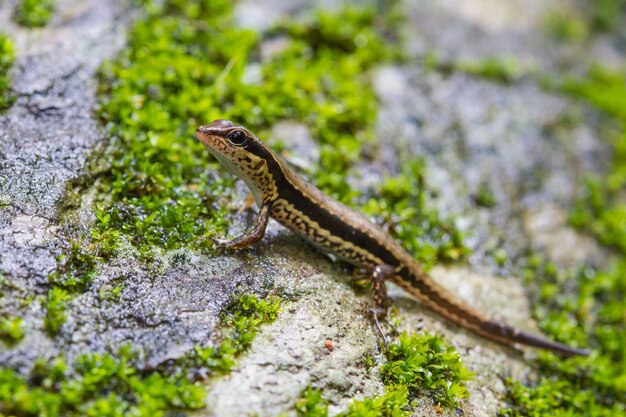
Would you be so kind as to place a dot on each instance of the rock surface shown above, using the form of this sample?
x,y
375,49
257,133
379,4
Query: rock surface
x,y
45,140
471,131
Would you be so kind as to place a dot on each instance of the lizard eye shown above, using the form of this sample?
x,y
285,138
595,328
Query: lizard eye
x,y
237,138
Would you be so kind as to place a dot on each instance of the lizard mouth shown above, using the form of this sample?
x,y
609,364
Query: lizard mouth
x,y
208,139
212,134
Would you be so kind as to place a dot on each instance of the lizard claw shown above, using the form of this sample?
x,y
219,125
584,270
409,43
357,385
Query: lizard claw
x,y
378,313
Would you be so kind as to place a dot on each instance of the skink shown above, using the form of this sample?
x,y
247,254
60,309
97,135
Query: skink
x,y
333,227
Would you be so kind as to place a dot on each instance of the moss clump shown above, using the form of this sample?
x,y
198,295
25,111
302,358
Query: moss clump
x,y
75,270
241,324
542,400
602,87
591,17
566,25
403,203
393,403
322,79
498,69
505,70
160,190
426,364
11,329
11,326
607,14
55,304
311,403
34,13
601,211
484,196
76,267
97,385
6,60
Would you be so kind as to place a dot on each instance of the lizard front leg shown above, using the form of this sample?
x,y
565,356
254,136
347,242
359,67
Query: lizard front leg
x,y
252,236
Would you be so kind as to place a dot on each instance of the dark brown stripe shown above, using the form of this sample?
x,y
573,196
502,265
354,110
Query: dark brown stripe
x,y
317,212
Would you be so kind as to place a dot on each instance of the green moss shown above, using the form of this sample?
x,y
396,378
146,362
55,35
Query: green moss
x,y
109,385
11,329
393,403
311,403
566,25
585,307
34,13
111,294
76,267
581,308
55,305
418,364
426,365
240,326
404,203
484,197
601,86
322,79
543,400
500,256
606,15
7,57
75,270
163,190
590,17
501,70
601,212
588,306
185,66
97,385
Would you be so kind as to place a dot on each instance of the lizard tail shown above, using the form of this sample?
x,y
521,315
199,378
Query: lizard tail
x,y
436,298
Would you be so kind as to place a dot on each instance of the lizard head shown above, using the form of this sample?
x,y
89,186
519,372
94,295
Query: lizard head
x,y
242,153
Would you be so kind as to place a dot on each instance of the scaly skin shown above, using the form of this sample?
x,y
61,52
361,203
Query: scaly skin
x,y
336,228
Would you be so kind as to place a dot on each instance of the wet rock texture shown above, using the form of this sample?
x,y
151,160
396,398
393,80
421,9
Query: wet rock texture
x,y
473,132
45,140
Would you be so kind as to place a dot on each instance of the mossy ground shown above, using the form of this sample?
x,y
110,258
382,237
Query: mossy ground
x,y
158,190
33,13
417,364
96,385
586,306
583,306
110,385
